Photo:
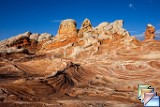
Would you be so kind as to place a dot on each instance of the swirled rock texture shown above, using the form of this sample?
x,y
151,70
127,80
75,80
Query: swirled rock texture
x,y
98,66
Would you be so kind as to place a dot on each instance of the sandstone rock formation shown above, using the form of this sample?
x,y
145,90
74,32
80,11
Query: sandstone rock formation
x,y
102,27
23,43
34,36
89,36
93,66
67,28
15,44
150,32
86,26
67,33
44,37
69,77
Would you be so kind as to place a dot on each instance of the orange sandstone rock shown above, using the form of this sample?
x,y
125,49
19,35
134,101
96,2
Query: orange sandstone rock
x,y
150,32
86,26
67,28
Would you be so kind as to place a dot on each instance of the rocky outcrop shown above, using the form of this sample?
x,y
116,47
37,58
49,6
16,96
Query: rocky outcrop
x,y
112,28
67,28
102,27
67,33
20,40
72,41
150,32
89,37
14,45
44,37
86,26
23,43
34,36
118,28
33,39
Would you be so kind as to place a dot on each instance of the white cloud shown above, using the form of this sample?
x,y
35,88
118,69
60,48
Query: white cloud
x,y
157,33
131,6
140,35
132,31
56,21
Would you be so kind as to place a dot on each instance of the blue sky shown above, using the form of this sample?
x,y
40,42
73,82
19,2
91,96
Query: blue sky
x,y
40,16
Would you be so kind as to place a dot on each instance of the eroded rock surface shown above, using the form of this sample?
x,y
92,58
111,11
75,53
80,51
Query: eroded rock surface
x,y
150,32
67,28
86,26
93,66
